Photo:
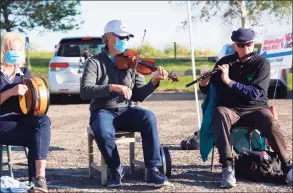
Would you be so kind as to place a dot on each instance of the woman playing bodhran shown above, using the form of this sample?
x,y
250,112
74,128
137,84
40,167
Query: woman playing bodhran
x,y
33,132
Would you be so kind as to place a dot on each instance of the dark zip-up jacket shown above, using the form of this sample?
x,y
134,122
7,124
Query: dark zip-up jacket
x,y
12,103
251,78
100,72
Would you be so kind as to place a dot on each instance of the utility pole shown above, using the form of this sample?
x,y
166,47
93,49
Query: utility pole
x,y
27,48
175,50
193,62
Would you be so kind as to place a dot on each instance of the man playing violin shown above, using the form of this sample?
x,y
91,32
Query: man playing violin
x,y
18,129
114,94
242,98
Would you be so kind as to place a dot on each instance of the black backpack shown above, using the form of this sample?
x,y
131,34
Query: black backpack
x,y
191,143
257,169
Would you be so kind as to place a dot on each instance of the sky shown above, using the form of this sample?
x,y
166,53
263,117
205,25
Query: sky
x,y
161,20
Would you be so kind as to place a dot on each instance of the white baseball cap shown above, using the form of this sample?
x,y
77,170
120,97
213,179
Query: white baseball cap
x,y
117,27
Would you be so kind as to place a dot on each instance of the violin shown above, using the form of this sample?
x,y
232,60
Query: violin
x,y
129,59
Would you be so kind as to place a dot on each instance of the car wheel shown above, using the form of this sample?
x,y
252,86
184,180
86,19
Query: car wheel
x,y
55,99
282,92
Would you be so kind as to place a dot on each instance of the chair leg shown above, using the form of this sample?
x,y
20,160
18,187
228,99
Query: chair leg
x,y
131,156
213,153
10,166
1,159
26,152
91,155
232,150
104,171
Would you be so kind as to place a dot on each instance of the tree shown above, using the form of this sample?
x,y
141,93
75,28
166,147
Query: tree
x,y
249,13
22,16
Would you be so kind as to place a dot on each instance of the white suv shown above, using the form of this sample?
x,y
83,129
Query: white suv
x,y
277,77
67,64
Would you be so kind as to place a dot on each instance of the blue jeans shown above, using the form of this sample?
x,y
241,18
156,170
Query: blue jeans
x,y
104,123
32,132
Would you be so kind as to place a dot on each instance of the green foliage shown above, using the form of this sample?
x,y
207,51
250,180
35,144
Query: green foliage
x,y
238,11
148,50
23,16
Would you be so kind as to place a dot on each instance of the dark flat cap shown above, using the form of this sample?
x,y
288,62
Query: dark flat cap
x,y
243,35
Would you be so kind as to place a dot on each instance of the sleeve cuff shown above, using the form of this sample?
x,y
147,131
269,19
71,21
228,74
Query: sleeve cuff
x,y
231,85
153,87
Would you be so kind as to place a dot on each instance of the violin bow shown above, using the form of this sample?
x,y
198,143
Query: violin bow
x,y
135,66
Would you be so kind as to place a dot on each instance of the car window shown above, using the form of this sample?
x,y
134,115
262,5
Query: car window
x,y
257,48
226,50
77,47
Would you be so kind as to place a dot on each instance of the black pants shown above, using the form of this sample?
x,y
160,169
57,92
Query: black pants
x,y
259,118
31,132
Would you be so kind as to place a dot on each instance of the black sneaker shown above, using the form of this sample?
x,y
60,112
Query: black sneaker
x,y
156,179
115,178
39,185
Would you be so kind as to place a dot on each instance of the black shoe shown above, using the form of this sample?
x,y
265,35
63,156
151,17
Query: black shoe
x,y
156,179
116,176
39,184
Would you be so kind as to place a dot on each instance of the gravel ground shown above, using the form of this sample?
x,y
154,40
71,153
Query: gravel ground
x,y
67,169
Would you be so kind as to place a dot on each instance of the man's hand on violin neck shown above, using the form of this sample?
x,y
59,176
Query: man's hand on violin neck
x,y
124,90
158,75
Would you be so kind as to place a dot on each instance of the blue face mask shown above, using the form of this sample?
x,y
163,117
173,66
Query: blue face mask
x,y
120,45
13,57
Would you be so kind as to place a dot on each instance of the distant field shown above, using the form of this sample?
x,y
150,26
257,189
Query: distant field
x,y
40,62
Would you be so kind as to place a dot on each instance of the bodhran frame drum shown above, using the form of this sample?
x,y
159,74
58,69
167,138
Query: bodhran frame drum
x,y
36,100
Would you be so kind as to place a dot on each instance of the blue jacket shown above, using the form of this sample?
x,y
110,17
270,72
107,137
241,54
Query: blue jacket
x,y
207,136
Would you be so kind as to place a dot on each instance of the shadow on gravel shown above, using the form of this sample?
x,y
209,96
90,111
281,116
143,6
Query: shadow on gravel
x,y
77,178
174,147
195,166
206,179
51,148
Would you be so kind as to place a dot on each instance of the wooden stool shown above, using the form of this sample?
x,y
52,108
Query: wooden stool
x,y
121,138
9,162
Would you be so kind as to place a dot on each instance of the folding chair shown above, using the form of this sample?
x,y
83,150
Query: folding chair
x,y
123,137
10,163
236,148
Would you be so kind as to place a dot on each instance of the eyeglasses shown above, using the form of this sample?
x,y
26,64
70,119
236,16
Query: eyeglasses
x,y
120,37
242,45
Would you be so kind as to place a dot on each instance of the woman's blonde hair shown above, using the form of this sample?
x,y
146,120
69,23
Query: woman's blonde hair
x,y
7,39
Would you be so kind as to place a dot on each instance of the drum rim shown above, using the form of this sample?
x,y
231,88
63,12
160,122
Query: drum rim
x,y
48,95
33,108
